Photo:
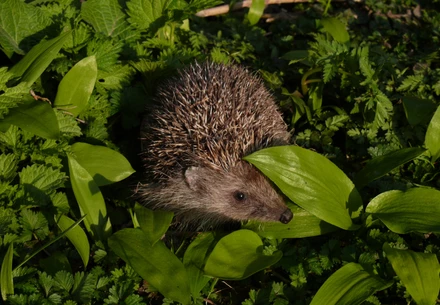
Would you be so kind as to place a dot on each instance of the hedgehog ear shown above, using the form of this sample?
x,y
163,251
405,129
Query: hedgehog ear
x,y
192,177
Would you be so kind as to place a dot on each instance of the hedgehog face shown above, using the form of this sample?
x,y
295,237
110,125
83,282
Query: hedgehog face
x,y
241,193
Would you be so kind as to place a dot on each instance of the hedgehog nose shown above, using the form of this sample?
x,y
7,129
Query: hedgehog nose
x,y
286,217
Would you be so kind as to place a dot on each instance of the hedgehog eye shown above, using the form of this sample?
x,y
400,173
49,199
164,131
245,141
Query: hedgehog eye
x,y
239,196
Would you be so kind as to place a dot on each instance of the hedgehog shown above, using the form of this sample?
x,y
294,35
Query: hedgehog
x,y
194,138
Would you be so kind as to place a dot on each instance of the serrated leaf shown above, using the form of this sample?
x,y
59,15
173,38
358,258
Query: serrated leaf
x,y
382,165
304,224
105,16
33,116
419,272
145,12
90,200
415,210
76,87
153,223
105,165
239,255
15,19
336,29
417,110
156,264
384,108
256,11
432,138
6,281
8,167
77,237
30,67
351,285
312,182
42,177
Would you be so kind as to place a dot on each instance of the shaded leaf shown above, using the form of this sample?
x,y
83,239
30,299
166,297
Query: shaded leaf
x,y
432,138
77,237
144,12
153,223
105,16
417,110
6,281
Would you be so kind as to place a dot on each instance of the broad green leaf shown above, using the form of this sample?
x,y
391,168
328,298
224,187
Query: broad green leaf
x,y
255,11
239,255
382,165
76,87
419,272
34,116
106,16
90,200
303,225
6,281
194,260
16,16
350,285
415,210
417,110
145,12
156,264
336,29
295,56
311,181
153,223
432,138
30,67
77,237
105,165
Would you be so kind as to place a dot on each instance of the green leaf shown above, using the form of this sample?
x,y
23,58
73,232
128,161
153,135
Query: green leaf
x,y
336,29
77,237
105,16
30,67
153,223
194,260
295,56
350,285
303,225
105,165
255,11
15,19
415,210
312,182
432,138
6,281
34,116
417,110
144,12
90,200
155,263
382,165
239,255
8,166
419,272
76,87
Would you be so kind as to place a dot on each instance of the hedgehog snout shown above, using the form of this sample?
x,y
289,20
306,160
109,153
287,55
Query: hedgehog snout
x,y
286,217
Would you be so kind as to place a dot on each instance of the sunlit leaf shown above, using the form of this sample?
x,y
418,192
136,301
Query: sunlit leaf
x,y
6,281
432,138
335,28
153,223
255,11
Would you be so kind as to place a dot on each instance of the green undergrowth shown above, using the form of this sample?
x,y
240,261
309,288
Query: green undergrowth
x,y
359,85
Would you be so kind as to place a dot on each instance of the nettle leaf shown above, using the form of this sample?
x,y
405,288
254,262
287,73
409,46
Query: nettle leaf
x,y
336,29
304,224
144,12
419,272
384,109
382,165
34,116
432,138
10,96
155,263
19,20
76,87
351,284
418,110
77,237
105,165
6,280
68,125
34,223
153,223
105,16
42,177
239,255
8,167
256,11
311,181
90,200
415,210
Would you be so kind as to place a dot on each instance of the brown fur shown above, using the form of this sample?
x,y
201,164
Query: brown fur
x,y
205,121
